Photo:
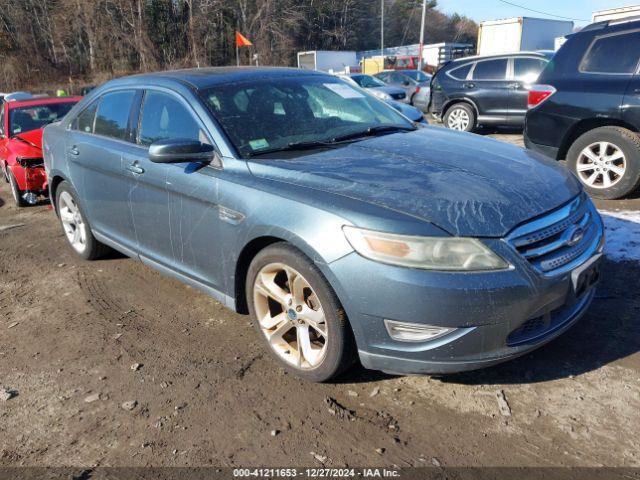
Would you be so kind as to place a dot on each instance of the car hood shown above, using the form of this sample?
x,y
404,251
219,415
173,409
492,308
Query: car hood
x,y
28,143
463,183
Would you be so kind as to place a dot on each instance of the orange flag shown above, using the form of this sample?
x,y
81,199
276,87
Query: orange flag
x,y
242,41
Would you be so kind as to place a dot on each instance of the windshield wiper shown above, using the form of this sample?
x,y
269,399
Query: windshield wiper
x,y
294,146
375,130
369,132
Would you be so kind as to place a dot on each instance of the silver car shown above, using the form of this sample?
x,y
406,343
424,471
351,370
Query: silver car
x,y
415,83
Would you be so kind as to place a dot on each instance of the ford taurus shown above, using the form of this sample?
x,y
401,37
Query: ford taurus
x,y
345,231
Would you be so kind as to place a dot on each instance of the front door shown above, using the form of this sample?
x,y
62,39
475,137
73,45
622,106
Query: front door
x,y
174,206
96,144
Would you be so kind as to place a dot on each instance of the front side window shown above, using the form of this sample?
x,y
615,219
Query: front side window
x,y
528,70
491,70
24,119
84,122
164,117
614,54
285,111
112,117
417,76
367,81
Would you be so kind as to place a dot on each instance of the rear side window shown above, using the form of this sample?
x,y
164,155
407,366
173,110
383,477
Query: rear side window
x,y
84,121
461,73
614,54
491,70
528,69
164,117
112,117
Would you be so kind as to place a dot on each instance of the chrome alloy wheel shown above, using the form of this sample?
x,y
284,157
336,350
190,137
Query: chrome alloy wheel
x,y
458,120
601,165
290,316
72,222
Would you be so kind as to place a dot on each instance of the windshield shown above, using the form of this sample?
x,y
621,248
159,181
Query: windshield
x,y
367,81
417,75
267,114
24,119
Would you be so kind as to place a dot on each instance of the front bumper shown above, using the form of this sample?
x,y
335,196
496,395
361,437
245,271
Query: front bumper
x,y
496,316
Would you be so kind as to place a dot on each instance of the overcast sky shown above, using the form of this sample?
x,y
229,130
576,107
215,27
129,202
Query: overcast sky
x,y
580,10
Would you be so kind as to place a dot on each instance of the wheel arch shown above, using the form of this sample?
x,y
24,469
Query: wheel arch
x,y
447,106
586,125
54,183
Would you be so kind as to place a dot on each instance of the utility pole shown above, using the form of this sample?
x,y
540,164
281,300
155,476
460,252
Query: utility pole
x,y
382,33
424,16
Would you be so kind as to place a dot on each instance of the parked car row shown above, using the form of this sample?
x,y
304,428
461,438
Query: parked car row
x,y
581,105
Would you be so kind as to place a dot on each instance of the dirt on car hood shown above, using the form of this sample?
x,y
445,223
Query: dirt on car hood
x,y
464,183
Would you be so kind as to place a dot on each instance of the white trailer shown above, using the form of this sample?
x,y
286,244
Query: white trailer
x,y
616,13
327,60
520,34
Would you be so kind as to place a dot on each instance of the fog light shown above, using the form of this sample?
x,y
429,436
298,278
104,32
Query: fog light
x,y
30,197
414,332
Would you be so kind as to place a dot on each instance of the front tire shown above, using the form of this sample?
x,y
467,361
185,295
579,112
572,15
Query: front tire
x,y
607,161
15,189
298,315
75,224
460,117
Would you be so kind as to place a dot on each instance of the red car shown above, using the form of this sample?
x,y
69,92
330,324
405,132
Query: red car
x,y
21,125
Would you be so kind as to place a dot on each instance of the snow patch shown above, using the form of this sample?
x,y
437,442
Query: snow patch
x,y
623,235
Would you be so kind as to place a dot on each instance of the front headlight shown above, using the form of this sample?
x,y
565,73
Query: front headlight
x,y
431,253
381,95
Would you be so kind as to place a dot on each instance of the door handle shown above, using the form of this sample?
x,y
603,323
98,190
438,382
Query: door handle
x,y
469,85
134,168
514,86
74,151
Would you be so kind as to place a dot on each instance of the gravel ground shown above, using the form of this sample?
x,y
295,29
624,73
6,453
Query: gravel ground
x,y
111,364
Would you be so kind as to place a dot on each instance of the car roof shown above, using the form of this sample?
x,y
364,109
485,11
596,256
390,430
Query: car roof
x,y
33,102
532,53
200,78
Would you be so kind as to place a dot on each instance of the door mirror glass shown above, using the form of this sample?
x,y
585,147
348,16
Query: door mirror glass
x,y
180,151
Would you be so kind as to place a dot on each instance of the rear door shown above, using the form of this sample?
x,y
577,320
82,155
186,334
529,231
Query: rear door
x,y
524,73
489,88
609,74
97,141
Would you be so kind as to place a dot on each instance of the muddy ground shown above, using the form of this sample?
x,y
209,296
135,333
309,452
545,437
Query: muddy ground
x,y
206,393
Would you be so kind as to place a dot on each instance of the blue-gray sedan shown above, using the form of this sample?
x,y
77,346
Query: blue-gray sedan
x,y
345,231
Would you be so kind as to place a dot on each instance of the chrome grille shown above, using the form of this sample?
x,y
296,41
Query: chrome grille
x,y
552,243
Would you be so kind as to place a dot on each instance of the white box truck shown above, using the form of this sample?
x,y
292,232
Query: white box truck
x,y
520,34
327,60
616,13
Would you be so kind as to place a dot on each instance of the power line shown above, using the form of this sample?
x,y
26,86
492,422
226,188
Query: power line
x,y
544,13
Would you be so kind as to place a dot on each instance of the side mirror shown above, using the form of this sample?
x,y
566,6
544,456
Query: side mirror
x,y
405,83
180,151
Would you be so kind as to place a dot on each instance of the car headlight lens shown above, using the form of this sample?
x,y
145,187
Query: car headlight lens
x,y
381,95
431,253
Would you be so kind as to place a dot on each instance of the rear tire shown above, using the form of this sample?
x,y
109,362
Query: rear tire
x,y
460,117
607,161
298,315
15,190
76,225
